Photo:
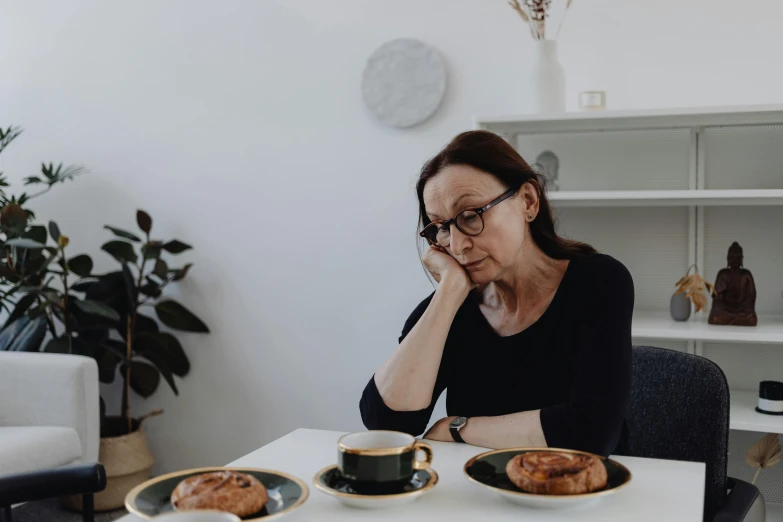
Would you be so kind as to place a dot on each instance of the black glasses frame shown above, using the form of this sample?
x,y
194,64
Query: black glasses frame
x,y
447,224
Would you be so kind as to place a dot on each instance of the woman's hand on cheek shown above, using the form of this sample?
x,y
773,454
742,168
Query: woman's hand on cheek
x,y
445,269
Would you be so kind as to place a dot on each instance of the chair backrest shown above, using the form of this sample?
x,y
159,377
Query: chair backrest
x,y
679,410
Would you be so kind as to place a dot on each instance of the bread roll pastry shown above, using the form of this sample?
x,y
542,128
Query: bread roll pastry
x,y
556,473
229,491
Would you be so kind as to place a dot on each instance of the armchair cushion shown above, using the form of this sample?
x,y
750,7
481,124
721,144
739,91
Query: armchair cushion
x,y
31,448
48,389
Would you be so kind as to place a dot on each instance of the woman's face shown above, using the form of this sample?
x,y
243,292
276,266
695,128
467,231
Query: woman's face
x,y
500,245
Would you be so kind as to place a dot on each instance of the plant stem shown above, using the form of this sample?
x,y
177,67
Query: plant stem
x,y
129,333
756,475
41,193
126,389
49,320
66,304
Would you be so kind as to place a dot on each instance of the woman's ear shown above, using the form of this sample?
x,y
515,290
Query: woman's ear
x,y
529,193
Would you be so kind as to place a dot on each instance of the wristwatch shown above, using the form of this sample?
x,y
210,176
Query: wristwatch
x,y
455,426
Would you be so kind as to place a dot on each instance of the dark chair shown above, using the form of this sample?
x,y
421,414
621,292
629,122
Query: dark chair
x,y
679,410
84,480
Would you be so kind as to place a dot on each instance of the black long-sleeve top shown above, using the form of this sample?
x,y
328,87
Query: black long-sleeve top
x,y
574,364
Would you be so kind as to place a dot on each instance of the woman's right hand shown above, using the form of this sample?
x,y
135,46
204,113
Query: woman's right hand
x,y
446,269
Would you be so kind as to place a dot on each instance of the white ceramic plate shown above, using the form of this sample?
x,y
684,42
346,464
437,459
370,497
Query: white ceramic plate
x,y
488,470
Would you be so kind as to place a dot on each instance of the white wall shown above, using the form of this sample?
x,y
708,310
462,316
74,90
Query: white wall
x,y
239,126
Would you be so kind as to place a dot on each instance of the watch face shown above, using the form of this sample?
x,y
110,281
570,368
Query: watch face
x,y
458,422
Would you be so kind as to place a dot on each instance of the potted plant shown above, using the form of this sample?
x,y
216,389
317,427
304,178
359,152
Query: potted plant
x,y
690,289
56,302
133,345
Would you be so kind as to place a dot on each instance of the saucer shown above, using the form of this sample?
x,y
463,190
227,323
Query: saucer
x,y
330,481
153,497
488,470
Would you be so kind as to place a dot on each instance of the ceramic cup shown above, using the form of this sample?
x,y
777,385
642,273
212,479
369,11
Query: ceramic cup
x,y
380,457
770,397
197,516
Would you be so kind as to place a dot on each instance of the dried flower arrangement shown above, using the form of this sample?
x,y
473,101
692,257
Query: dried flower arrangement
x,y
535,14
693,286
764,454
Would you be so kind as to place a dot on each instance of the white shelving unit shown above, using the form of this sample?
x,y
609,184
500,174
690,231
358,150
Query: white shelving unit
x,y
744,416
774,512
654,324
667,198
661,190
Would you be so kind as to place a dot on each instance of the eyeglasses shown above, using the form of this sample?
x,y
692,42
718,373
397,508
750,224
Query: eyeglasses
x,y
468,221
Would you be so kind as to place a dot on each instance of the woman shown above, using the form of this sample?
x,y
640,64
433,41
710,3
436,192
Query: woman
x,y
529,332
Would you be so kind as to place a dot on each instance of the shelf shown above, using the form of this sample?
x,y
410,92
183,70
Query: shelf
x,y
744,417
666,198
633,119
774,512
685,112
659,325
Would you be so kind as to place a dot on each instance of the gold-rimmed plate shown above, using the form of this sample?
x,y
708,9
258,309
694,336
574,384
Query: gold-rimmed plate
x,y
286,493
330,481
488,470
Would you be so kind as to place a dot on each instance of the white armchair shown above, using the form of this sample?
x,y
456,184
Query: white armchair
x,y
49,411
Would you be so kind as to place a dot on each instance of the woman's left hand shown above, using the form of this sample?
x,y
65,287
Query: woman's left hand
x,y
440,430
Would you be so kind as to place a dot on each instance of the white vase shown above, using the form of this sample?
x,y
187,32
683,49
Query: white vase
x,y
548,79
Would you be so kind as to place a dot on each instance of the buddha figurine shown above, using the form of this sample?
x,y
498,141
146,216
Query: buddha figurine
x,y
734,302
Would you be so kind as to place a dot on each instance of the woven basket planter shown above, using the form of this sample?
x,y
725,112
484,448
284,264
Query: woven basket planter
x,y
128,461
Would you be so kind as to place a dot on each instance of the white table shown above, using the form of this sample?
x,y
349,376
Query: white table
x,y
661,490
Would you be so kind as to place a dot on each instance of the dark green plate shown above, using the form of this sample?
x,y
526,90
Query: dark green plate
x,y
152,498
489,470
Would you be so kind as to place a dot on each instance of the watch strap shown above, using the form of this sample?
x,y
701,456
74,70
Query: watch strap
x,y
455,434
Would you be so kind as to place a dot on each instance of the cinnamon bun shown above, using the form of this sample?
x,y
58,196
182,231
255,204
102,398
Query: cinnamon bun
x,y
229,491
556,473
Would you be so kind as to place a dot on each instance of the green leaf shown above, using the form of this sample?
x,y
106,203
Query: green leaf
x,y
80,346
122,233
31,337
164,368
21,307
58,345
151,250
144,378
36,233
116,346
11,331
8,274
182,272
54,231
83,286
107,364
144,221
97,308
130,286
88,322
146,324
31,180
150,289
122,251
161,269
37,311
168,347
80,265
23,242
176,247
176,316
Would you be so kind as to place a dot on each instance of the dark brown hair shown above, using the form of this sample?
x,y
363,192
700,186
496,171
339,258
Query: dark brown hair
x,y
490,153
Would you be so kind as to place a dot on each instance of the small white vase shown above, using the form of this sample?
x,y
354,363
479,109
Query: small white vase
x,y
548,81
